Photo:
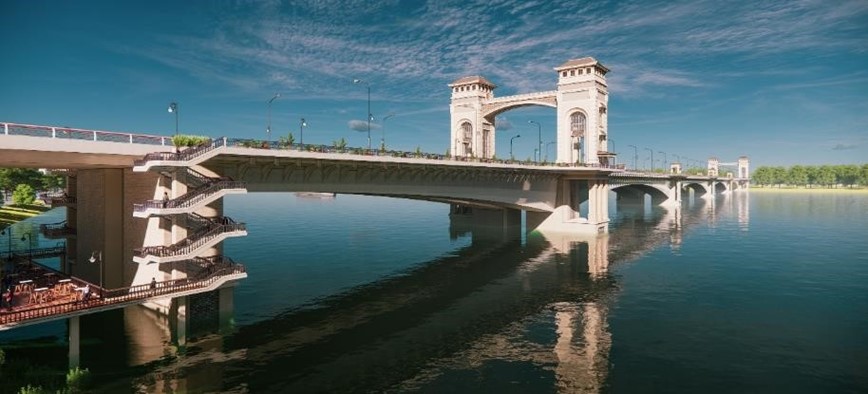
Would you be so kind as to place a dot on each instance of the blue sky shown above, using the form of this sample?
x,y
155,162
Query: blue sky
x,y
781,82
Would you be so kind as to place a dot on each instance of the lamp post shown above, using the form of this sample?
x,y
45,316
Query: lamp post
x,y
370,116
677,158
511,157
539,138
635,156
301,127
173,109
664,160
94,259
383,139
9,254
29,238
268,128
547,148
652,158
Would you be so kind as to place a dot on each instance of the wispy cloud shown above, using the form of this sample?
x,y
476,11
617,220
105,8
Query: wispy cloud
x,y
845,146
414,49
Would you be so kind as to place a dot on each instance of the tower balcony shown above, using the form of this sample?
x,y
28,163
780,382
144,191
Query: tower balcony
x,y
193,245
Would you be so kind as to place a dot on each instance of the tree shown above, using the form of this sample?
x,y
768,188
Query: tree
x,y
341,144
762,176
797,176
23,195
847,175
10,178
287,141
826,176
863,179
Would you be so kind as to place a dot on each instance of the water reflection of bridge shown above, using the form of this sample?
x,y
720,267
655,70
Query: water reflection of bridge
x,y
457,312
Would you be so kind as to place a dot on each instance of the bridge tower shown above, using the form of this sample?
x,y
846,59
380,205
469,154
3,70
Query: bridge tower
x,y
713,166
472,133
582,110
743,167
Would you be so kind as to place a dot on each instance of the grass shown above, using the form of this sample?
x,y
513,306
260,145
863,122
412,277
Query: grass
x,y
11,214
775,189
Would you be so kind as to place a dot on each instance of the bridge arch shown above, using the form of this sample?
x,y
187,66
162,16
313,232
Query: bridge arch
x,y
634,193
581,88
700,189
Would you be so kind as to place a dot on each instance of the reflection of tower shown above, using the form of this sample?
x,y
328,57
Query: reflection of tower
x,y
743,207
597,248
582,362
675,229
743,173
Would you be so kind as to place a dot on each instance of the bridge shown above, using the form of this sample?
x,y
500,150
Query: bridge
x,y
147,211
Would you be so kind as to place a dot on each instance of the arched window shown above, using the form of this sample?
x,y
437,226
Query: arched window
x,y
467,131
577,124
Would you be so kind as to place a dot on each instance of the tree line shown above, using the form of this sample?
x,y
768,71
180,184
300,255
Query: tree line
x,y
847,175
23,183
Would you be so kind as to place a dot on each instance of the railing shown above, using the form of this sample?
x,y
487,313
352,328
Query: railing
x,y
35,253
128,294
55,230
184,155
68,133
192,153
189,244
189,199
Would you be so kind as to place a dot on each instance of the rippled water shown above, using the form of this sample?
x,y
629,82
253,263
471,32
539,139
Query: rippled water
x,y
758,293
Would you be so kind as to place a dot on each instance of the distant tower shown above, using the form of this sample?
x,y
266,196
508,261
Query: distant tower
x,y
472,134
675,168
743,167
582,105
713,166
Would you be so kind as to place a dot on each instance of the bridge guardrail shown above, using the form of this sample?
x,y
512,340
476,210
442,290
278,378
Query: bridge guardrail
x,y
69,133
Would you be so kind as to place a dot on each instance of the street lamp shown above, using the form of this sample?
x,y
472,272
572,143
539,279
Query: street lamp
x,y
511,157
94,257
664,160
268,128
547,148
539,137
370,116
652,158
301,126
635,156
677,158
173,109
383,139
29,238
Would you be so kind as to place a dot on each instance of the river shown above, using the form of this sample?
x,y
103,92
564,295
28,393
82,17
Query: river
x,y
757,292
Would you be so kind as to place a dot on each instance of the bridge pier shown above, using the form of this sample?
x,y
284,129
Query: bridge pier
x,y
74,342
567,215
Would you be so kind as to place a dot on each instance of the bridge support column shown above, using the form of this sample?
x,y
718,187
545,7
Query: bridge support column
x,y
566,217
74,342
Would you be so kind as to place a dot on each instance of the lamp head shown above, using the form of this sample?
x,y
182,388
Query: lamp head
x,y
173,107
357,81
303,123
518,136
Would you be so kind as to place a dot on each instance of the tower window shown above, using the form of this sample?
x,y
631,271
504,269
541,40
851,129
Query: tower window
x,y
467,131
578,124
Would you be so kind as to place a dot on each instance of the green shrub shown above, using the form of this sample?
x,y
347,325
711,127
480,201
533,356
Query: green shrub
x,y
77,379
182,140
23,195
33,390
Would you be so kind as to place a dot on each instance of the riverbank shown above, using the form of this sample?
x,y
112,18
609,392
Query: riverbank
x,y
754,189
11,214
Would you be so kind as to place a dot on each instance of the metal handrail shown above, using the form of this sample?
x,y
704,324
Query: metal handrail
x,y
56,229
191,198
190,243
39,252
69,133
184,155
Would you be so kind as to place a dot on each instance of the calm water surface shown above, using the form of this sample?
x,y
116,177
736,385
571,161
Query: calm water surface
x,y
748,293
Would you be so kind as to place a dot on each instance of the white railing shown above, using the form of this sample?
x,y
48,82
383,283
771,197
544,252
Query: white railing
x,y
69,133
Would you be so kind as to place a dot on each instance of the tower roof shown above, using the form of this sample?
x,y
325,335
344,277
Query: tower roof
x,y
471,80
585,61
